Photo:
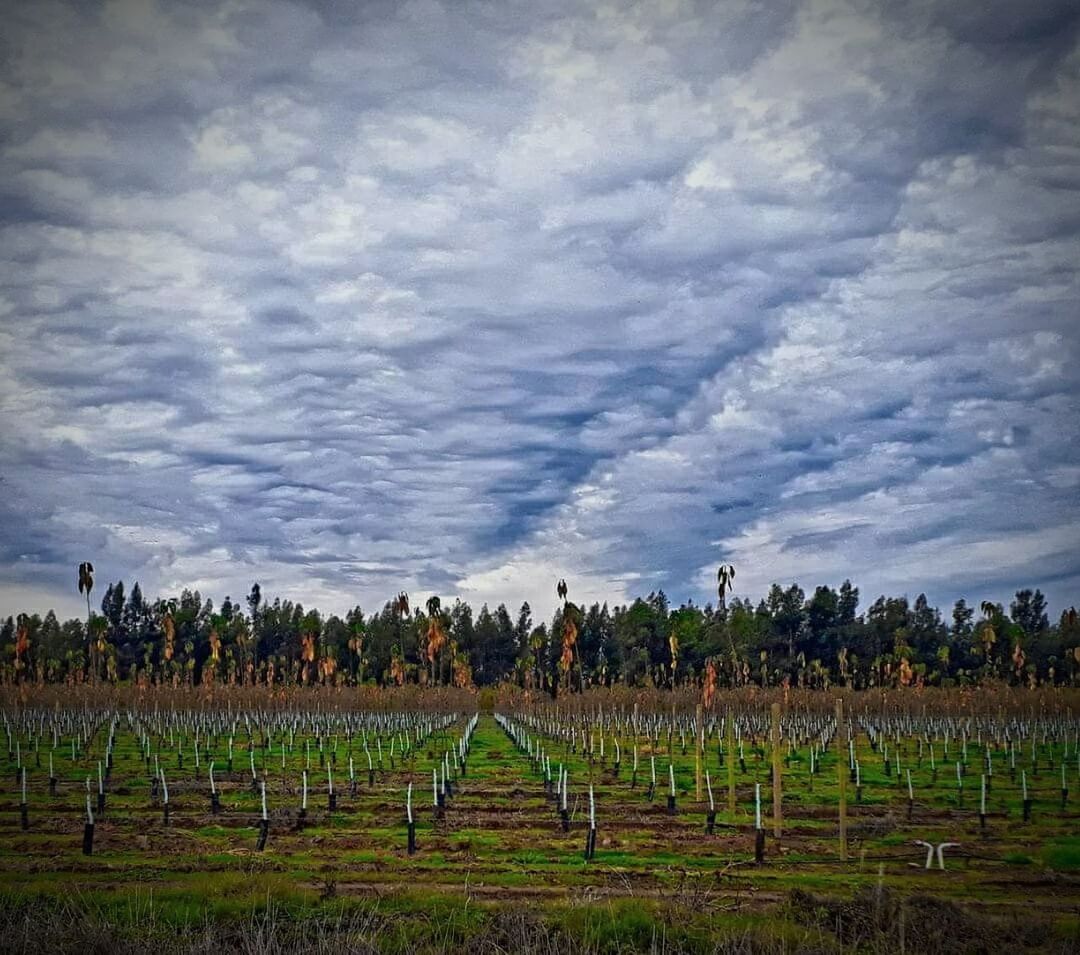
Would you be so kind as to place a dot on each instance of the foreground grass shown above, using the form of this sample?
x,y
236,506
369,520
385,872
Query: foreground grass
x,y
872,921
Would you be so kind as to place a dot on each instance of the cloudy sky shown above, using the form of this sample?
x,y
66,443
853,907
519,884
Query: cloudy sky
x,y
462,297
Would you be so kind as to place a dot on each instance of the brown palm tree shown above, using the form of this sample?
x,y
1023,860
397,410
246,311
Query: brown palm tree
x,y
168,650
436,635
571,626
99,644
401,611
991,612
536,646
22,645
210,666
569,638
356,647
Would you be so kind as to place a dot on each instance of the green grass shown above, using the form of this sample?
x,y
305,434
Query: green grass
x,y
501,841
1063,853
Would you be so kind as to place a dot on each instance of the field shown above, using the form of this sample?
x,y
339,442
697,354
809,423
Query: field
x,y
177,863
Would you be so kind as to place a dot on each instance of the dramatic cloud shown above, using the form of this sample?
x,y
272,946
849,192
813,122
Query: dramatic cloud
x,y
465,297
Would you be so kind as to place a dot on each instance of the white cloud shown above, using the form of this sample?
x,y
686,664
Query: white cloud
x,y
217,147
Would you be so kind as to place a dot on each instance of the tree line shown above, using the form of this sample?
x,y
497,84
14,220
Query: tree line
x,y
787,638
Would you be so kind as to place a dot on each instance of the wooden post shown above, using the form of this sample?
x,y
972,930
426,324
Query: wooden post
x,y
699,745
729,748
778,811
671,729
841,776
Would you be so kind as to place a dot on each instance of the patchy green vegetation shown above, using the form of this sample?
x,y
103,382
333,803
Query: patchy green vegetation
x,y
497,865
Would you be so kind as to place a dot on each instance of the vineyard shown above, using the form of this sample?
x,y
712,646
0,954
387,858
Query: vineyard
x,y
771,813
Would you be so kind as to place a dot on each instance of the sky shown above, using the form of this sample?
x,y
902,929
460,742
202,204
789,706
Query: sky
x,y
465,297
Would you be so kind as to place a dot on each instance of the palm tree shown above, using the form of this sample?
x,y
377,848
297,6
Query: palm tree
x,y
991,611
168,650
708,690
99,628
86,584
209,671
569,638
307,656
461,672
536,646
572,621
573,618
22,645
401,611
724,576
436,634
397,665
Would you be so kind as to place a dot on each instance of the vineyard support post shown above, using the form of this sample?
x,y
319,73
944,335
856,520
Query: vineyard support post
x,y
729,750
841,776
778,811
699,745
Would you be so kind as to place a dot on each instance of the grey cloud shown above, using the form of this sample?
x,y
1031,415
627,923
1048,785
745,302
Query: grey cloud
x,y
459,297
